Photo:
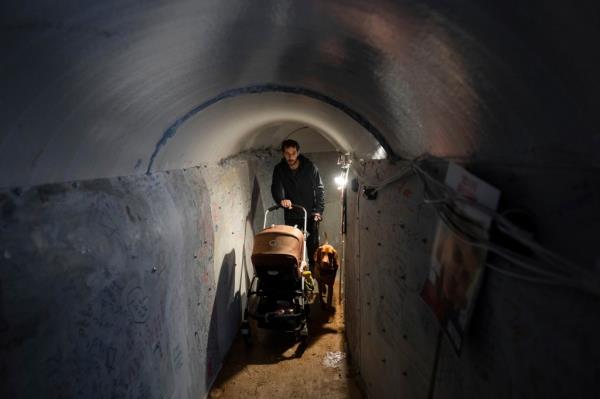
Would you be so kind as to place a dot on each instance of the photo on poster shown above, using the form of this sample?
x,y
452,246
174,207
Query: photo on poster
x,y
457,266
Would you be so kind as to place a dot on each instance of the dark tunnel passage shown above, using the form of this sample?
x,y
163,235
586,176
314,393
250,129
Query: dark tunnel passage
x,y
137,144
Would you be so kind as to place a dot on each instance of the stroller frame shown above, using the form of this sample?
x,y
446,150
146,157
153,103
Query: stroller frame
x,y
275,301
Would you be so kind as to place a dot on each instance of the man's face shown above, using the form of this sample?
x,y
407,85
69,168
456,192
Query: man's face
x,y
291,156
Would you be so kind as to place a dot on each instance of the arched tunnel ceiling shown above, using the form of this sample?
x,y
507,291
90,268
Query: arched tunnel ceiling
x,y
241,124
89,89
311,139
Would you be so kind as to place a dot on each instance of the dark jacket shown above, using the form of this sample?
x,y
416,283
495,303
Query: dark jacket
x,y
304,187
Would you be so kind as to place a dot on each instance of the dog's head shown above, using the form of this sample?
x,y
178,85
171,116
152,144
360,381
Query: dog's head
x,y
326,257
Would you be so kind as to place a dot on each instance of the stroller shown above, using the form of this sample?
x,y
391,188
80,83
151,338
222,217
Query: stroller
x,y
278,293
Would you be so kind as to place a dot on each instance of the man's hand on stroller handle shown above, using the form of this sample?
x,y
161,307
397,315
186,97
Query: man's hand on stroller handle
x,y
288,204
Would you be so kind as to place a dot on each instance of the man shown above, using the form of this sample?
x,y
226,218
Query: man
x,y
296,180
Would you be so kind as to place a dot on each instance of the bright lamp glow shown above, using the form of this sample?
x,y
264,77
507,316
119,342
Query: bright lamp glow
x,y
340,181
380,153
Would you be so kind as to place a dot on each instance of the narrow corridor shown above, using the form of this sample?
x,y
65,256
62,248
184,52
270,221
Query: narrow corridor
x,y
138,142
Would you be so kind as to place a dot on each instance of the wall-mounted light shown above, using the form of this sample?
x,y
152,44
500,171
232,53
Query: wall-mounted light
x,y
340,181
344,160
380,153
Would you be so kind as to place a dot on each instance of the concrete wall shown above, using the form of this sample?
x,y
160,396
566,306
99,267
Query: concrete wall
x,y
391,336
525,340
96,90
128,287
133,286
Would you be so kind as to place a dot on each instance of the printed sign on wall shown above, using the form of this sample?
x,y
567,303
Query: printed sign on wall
x,y
457,265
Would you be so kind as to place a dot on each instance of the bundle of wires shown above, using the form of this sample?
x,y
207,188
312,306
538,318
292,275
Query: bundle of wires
x,y
542,266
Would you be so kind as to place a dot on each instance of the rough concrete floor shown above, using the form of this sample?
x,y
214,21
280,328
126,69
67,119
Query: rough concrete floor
x,y
277,366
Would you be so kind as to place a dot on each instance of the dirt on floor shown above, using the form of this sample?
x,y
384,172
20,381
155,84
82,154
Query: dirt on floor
x,y
277,365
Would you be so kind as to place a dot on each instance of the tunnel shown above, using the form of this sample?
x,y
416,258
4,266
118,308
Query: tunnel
x,y
137,147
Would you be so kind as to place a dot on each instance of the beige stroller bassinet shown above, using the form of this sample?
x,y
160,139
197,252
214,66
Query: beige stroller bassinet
x,y
277,299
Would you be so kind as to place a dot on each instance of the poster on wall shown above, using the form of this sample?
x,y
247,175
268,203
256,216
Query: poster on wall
x,y
456,265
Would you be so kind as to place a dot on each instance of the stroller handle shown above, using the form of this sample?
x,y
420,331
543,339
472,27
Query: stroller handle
x,y
275,207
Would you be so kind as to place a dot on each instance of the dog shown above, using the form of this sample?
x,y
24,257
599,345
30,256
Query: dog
x,y
326,267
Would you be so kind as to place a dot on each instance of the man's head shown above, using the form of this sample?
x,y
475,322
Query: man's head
x,y
290,150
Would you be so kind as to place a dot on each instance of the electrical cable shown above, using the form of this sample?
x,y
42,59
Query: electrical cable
x,y
556,269
503,224
381,185
475,241
519,276
587,285
561,275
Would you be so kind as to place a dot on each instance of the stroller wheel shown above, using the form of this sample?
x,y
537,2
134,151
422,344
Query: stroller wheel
x,y
245,330
304,332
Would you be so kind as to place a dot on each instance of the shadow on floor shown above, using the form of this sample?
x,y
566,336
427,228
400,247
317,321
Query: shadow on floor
x,y
277,365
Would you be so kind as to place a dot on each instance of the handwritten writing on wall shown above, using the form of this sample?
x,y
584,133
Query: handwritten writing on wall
x,y
110,286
